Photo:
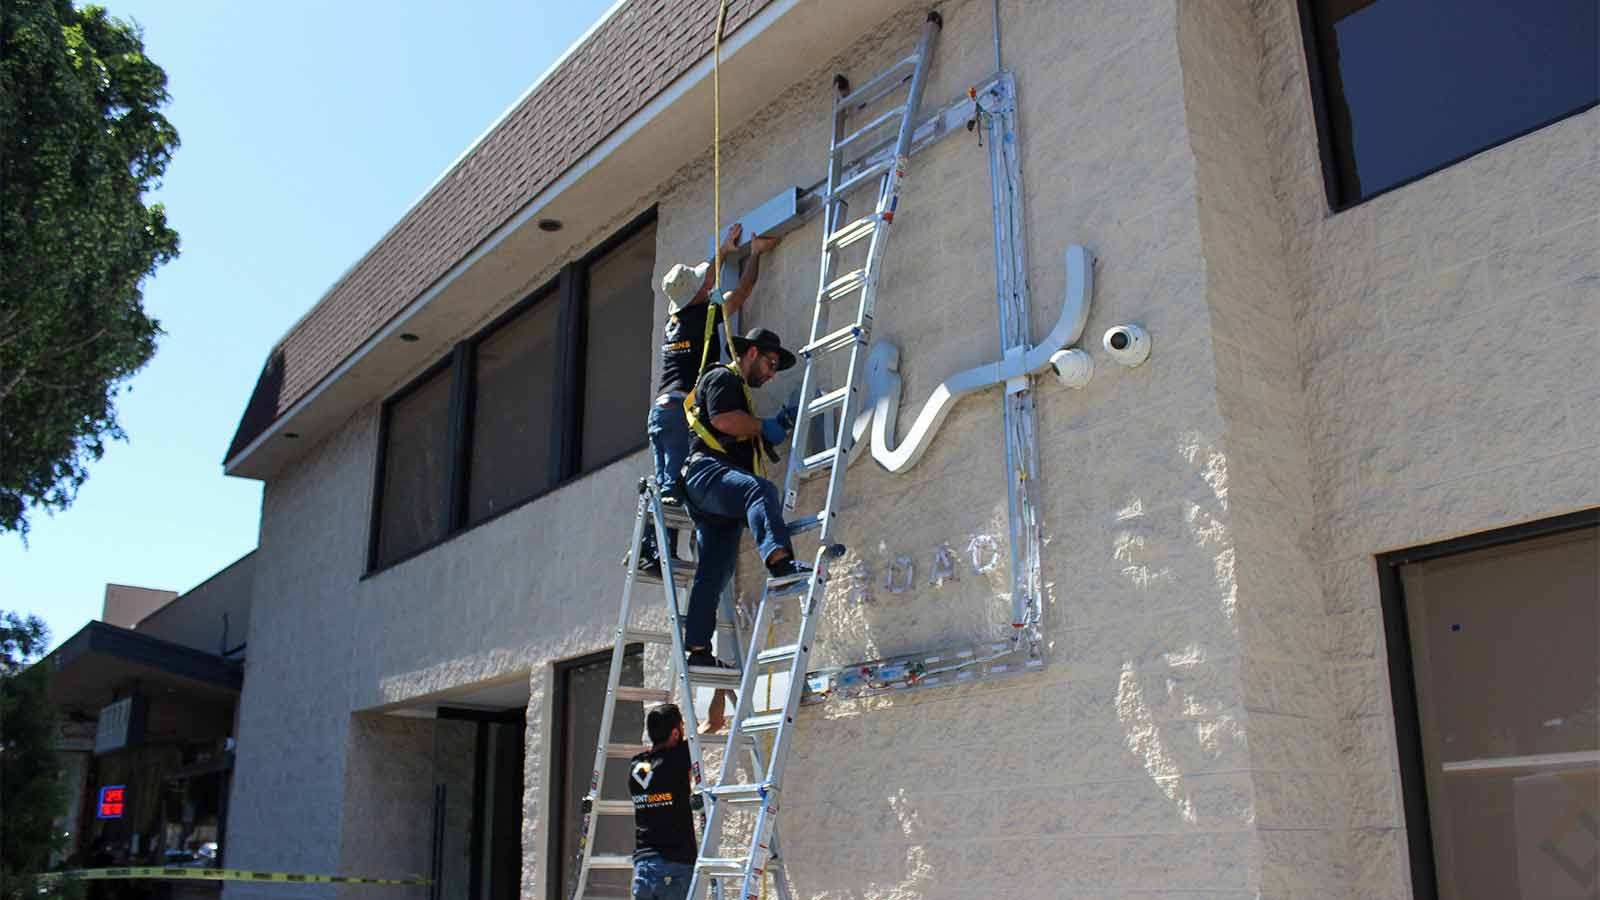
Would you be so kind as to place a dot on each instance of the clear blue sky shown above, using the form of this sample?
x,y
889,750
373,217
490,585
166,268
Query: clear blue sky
x,y
308,129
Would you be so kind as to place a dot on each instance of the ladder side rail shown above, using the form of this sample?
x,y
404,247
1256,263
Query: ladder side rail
x,y
717,810
680,669
819,311
608,707
763,839
919,80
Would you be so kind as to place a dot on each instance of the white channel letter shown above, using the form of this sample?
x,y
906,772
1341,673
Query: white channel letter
x,y
881,411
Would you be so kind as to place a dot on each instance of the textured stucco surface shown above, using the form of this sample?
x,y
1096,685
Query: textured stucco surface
x,y
1448,334
1215,717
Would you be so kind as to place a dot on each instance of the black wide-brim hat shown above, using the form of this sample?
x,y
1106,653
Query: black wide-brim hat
x,y
766,341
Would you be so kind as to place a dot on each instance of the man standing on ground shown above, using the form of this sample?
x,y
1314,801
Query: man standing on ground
x,y
691,319
724,483
658,780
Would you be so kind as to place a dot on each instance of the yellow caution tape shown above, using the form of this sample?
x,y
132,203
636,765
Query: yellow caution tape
x,y
175,872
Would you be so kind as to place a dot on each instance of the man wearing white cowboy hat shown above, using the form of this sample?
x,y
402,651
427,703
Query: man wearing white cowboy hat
x,y
685,353
725,485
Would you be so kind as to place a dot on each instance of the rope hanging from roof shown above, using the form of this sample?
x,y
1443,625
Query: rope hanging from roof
x,y
716,178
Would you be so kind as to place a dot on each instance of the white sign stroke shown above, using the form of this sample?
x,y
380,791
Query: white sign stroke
x,y
884,383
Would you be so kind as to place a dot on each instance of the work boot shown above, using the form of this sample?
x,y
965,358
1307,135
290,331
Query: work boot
x,y
788,570
705,659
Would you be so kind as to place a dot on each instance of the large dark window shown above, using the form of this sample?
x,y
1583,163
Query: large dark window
x,y
557,387
414,471
613,368
1494,646
1407,87
580,691
513,408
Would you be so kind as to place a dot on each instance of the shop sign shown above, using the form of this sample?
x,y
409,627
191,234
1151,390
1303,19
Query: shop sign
x,y
115,727
112,798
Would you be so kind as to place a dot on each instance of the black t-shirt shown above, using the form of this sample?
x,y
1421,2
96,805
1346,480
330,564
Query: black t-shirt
x,y
683,341
722,390
663,822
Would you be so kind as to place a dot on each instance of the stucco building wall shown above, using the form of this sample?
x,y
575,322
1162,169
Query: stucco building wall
x,y
1214,717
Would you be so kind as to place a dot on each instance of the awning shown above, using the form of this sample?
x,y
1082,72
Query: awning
x,y
90,669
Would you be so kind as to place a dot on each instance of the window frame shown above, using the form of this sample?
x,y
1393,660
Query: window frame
x,y
1402,675
568,288
1329,153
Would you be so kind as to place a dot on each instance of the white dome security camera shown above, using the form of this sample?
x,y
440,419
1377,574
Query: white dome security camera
x,y
1073,367
1127,344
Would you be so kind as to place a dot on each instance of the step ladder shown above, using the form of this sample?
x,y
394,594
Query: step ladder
x,y
675,578
855,158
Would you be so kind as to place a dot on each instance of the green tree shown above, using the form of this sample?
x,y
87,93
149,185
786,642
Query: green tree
x,y
31,793
81,140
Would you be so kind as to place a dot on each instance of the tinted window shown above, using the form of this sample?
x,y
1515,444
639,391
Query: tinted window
x,y
511,416
412,508
616,385
1505,646
1410,86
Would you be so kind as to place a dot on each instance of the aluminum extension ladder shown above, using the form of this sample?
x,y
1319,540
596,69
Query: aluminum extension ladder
x,y
846,172
675,578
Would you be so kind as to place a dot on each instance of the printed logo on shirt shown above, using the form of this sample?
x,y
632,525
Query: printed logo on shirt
x,y
643,772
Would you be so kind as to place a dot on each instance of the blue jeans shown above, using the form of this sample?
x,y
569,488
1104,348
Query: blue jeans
x,y
719,489
657,879
668,429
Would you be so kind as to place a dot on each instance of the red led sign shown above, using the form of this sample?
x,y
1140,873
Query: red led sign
x,y
111,801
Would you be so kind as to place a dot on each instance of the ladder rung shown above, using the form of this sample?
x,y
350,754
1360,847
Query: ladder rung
x,y
773,655
721,740
854,181
613,807
778,583
676,516
805,524
625,751
642,694
834,340
763,722
830,399
682,574
721,867
739,793
640,636
877,80
820,460
704,676
610,861
853,232
844,285
893,114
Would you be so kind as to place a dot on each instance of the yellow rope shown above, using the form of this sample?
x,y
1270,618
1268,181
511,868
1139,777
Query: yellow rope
x,y
716,231
716,177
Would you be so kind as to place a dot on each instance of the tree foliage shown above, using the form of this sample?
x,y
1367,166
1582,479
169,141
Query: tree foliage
x,y
82,139
31,794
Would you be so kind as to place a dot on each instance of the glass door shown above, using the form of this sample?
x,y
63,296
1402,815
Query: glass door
x,y
477,796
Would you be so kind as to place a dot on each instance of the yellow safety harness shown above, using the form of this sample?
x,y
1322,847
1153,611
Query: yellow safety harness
x,y
691,408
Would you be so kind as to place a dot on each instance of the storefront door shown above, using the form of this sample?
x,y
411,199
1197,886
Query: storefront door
x,y
477,795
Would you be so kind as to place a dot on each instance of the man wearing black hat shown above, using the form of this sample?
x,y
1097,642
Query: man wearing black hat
x,y
724,481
